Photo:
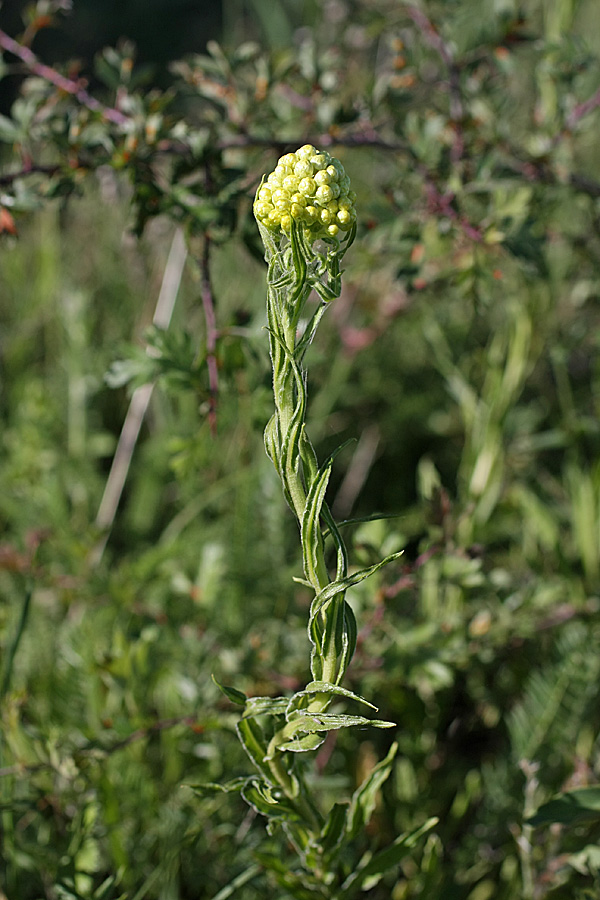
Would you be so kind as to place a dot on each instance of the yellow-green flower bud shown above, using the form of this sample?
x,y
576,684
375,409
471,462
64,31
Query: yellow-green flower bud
x,y
324,194
307,186
303,168
288,160
262,209
306,151
310,187
322,177
319,161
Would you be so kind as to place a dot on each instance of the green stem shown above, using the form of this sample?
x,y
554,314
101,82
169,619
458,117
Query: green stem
x,y
12,652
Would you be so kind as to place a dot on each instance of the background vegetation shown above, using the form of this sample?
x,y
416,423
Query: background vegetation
x,y
463,359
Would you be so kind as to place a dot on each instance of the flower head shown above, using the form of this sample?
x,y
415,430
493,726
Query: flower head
x,y
311,187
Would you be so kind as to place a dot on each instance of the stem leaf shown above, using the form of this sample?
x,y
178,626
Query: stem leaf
x,y
365,796
370,873
322,687
231,693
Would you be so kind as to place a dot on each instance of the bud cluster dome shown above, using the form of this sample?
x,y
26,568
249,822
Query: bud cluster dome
x,y
311,187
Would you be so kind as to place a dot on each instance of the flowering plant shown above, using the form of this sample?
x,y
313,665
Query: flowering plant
x,y
307,220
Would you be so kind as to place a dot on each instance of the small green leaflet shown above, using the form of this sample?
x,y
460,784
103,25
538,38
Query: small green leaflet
x,y
231,693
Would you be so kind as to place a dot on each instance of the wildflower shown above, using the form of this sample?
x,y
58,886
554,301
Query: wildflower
x,y
310,187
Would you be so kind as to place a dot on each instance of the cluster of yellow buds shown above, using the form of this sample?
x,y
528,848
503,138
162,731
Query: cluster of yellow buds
x,y
311,187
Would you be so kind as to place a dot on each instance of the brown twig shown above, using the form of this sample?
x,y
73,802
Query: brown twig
x,y
582,109
211,332
441,204
31,169
60,81
140,400
437,43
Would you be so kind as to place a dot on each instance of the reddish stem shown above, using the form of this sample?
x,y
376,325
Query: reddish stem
x,y
211,333
60,81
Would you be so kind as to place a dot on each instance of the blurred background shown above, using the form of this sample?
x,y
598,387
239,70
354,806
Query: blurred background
x,y
461,361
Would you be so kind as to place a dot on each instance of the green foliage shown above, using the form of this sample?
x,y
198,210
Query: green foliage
x,y
457,371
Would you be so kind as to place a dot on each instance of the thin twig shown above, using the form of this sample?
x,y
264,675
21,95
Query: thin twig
x,y
532,170
140,399
14,646
583,109
211,332
60,81
437,43
31,169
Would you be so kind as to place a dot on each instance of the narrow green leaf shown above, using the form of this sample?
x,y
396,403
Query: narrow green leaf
x,y
334,830
349,639
310,530
342,554
253,740
305,743
295,885
365,796
322,687
310,331
209,787
342,584
383,861
325,721
266,706
239,881
231,693
272,804
299,262
271,437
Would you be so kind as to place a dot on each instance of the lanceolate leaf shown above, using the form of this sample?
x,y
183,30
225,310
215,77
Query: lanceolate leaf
x,y
322,687
350,637
231,693
229,787
266,706
372,871
303,743
342,556
310,530
303,722
364,798
251,735
334,831
295,885
343,584
232,889
268,802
